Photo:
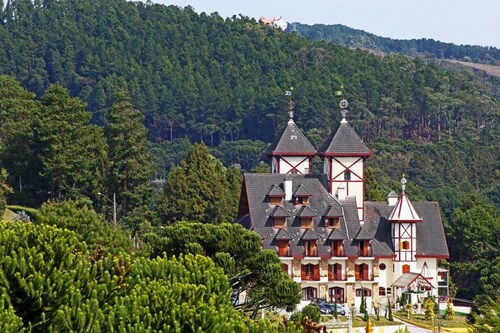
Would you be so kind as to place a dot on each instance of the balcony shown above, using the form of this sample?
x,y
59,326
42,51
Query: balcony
x,y
365,252
338,253
365,277
337,277
284,252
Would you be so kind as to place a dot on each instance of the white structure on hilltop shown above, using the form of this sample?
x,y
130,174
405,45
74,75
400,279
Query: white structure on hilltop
x,y
275,22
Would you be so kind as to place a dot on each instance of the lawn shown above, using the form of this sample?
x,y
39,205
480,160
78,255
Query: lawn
x,y
419,320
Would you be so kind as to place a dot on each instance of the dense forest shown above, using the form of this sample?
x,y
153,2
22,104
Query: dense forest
x,y
121,104
424,48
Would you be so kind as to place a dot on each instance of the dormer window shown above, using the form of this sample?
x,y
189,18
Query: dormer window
x,y
276,196
284,248
337,249
310,248
306,216
301,195
301,200
364,248
279,216
332,222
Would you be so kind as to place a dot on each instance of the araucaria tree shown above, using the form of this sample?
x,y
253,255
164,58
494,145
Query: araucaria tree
x,y
130,165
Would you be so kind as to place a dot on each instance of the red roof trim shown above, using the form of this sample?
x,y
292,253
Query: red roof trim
x,y
439,256
298,257
278,153
385,256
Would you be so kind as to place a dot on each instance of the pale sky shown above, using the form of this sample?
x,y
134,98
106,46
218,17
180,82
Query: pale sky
x,y
475,22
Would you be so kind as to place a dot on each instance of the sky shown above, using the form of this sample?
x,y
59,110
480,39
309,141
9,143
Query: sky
x,y
474,22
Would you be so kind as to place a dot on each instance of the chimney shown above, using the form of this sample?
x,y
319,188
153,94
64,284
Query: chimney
x,y
392,198
287,183
341,192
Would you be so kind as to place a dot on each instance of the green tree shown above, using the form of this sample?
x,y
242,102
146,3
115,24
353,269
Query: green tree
x,y
372,189
196,190
73,151
251,271
130,164
312,312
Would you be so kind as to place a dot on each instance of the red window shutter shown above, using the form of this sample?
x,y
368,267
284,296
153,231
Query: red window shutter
x,y
313,249
356,272
303,272
365,272
339,272
330,272
316,272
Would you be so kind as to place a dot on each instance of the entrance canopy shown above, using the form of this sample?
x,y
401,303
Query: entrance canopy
x,y
413,281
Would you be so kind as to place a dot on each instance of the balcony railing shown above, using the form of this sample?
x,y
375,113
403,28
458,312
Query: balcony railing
x,y
311,253
339,253
365,277
309,277
367,252
284,253
337,277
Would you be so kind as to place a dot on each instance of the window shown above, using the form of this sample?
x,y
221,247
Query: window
x,y
283,248
406,268
336,293
347,175
364,248
310,272
338,248
306,222
405,245
310,248
309,293
388,290
279,222
382,267
301,200
335,272
276,201
284,267
332,222
361,272
381,291
361,291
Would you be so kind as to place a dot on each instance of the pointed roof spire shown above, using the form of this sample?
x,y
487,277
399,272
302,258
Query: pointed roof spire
x,y
404,211
291,142
345,141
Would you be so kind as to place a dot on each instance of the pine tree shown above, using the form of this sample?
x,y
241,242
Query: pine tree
x,y
197,190
390,316
130,164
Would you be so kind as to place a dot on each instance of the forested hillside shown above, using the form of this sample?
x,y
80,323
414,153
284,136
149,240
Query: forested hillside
x,y
137,70
425,48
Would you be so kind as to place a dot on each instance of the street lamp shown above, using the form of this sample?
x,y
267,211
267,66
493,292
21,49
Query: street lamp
x,y
114,205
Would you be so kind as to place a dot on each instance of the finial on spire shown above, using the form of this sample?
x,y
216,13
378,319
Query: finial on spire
x,y
291,103
403,182
343,109
290,114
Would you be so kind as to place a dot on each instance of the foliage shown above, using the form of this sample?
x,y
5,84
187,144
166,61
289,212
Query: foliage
x,y
487,318
253,273
51,283
354,38
389,306
430,308
4,190
335,312
362,306
312,312
88,226
73,151
200,189
130,164
475,267
246,153
408,309
449,312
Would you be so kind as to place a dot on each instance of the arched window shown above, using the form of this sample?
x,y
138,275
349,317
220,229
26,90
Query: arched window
x,y
309,293
336,293
406,268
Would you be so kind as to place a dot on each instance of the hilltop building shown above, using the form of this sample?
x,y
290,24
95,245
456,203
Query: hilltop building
x,y
329,239
274,22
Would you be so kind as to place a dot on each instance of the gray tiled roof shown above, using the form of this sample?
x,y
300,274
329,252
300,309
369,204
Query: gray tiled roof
x,y
336,234
362,234
332,211
276,191
291,140
431,239
344,141
306,211
309,234
302,191
283,235
279,211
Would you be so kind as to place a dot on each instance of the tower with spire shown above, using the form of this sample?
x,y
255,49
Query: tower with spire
x,y
403,219
343,156
291,152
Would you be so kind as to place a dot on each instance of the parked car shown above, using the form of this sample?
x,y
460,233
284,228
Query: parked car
x,y
327,308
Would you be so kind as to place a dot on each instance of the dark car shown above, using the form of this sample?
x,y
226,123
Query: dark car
x,y
327,308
